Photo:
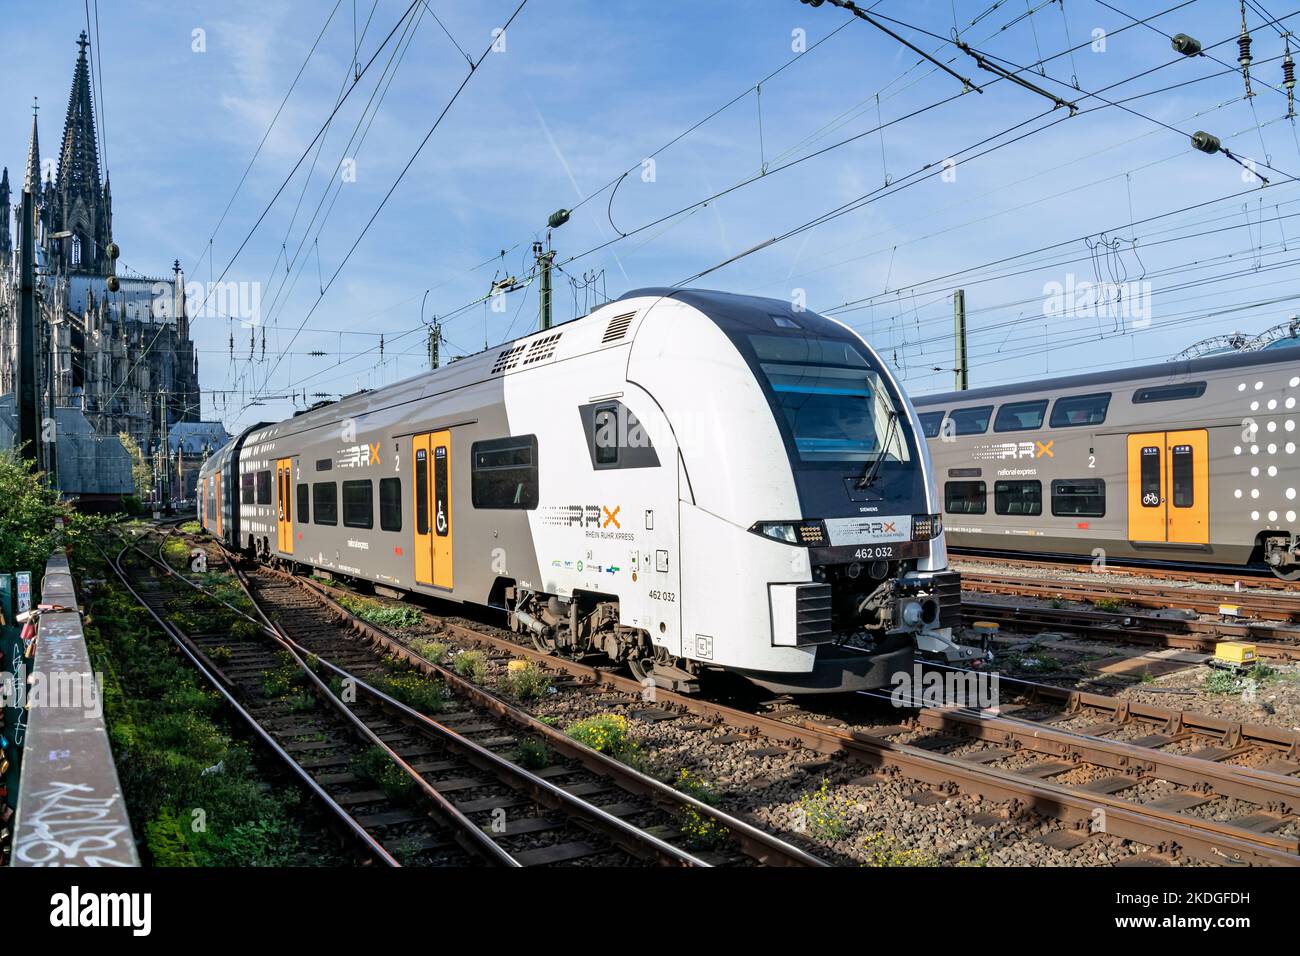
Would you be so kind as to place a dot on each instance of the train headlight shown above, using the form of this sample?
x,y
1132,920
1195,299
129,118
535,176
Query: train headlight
x,y
810,534
925,527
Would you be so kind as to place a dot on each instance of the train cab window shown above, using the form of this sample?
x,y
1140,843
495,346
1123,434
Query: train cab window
x,y
1018,497
304,498
325,502
1079,497
1149,476
359,504
1182,461
965,497
1075,410
263,487
1020,416
503,473
1169,393
605,435
971,421
390,504
931,422
247,484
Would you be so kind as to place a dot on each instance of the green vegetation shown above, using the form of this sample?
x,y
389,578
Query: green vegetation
x,y
1110,605
412,688
380,615
196,796
192,527
702,832
28,510
378,768
532,754
1228,682
824,815
471,665
433,651
527,682
285,678
606,733
881,850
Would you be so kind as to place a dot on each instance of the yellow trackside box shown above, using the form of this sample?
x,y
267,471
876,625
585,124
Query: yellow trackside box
x,y
1235,653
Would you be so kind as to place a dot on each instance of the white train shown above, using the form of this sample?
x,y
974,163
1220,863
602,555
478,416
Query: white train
x,y
681,480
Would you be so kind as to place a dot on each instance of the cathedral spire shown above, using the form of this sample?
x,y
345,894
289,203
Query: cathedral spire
x,y
79,162
6,242
32,184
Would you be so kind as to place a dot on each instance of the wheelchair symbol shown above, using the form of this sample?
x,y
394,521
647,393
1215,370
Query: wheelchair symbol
x,y
442,520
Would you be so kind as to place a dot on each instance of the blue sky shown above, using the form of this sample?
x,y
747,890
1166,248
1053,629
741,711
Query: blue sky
x,y
584,91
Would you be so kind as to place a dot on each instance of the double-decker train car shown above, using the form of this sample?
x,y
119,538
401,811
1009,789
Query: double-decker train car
x,y
681,480
1188,461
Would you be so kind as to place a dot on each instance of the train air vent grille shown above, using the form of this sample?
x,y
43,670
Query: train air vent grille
x,y
507,359
542,349
813,614
617,327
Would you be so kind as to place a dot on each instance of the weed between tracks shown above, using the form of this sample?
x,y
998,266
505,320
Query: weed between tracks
x,y
377,767
526,682
372,612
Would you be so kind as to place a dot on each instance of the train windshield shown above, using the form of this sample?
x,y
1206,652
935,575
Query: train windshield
x,y
835,405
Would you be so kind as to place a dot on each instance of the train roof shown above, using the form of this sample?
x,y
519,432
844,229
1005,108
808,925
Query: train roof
x,y
1164,370
610,325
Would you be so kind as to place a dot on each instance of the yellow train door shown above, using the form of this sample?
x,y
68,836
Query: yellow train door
x,y
1147,507
1169,487
431,462
284,509
219,505
1189,486
440,449
420,506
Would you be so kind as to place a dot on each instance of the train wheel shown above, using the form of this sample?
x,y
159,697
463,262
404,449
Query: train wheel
x,y
1286,574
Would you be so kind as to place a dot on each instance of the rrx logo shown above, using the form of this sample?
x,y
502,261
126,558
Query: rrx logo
x,y
592,516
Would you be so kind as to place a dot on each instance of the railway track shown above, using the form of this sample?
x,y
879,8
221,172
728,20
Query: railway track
x,y
955,748
961,560
1200,636
1257,605
584,808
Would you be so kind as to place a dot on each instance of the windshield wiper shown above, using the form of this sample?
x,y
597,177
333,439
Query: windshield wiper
x,y
872,471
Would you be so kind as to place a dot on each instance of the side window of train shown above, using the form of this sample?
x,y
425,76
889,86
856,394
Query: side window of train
x,y
422,492
1079,497
304,497
1169,393
264,487
503,473
965,497
1181,461
931,422
1018,497
390,504
605,435
359,504
325,502
1149,476
1075,410
615,437
246,485
1020,416
971,421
